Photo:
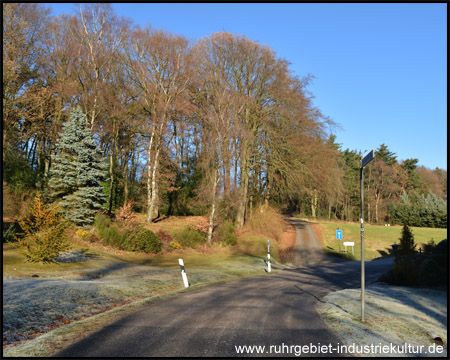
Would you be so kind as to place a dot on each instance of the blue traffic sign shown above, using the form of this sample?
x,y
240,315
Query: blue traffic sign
x,y
338,234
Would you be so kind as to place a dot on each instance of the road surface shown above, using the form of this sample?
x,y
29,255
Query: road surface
x,y
267,310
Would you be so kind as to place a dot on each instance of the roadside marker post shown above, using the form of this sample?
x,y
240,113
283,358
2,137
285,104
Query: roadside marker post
x,y
183,273
269,267
364,161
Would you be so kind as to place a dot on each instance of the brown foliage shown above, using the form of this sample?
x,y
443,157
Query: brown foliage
x,y
126,217
42,217
266,222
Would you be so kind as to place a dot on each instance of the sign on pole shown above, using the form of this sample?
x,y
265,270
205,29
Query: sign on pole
x,y
368,158
364,161
338,234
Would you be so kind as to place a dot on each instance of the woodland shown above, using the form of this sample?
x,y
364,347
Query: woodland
x,y
220,127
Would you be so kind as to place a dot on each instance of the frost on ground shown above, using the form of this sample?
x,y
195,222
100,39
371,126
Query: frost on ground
x,y
394,315
32,307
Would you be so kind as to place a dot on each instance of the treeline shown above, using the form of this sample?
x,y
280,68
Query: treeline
x,y
219,127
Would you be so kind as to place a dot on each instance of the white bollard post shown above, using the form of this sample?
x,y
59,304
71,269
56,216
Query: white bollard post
x,y
183,273
269,267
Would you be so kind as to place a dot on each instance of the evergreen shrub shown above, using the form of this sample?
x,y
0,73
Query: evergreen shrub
x,y
431,272
225,233
45,245
109,232
412,268
142,240
420,211
44,233
189,238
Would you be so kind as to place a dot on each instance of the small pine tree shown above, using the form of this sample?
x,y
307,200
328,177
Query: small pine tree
x,y
77,172
43,236
407,245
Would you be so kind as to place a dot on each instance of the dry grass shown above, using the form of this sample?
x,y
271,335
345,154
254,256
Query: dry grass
x,y
267,222
287,243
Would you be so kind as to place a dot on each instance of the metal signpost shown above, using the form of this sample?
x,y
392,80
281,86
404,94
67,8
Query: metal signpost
x,y
369,157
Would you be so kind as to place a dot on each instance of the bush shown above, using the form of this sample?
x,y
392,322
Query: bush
x,y
101,223
115,237
268,222
9,230
225,233
126,217
45,245
189,238
143,240
43,236
431,273
164,236
140,239
406,269
442,247
82,234
429,247
175,245
109,232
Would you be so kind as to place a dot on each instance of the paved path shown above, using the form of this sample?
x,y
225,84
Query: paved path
x,y
266,310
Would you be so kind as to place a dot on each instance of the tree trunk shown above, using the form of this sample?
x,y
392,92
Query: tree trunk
x,y
314,203
111,181
240,217
226,180
377,198
111,167
153,199
267,194
213,206
125,187
149,179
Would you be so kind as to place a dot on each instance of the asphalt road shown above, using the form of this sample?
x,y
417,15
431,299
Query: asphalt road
x,y
267,310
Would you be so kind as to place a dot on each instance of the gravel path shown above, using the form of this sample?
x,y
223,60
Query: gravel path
x,y
394,315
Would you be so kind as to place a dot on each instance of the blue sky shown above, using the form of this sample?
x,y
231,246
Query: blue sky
x,y
380,69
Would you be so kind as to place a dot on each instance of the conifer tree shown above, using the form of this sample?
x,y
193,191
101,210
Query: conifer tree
x,y
407,245
77,172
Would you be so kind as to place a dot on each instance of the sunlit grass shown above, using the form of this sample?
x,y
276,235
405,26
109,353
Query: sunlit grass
x,y
378,239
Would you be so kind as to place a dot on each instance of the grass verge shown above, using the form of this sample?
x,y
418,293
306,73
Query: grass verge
x,y
49,306
378,239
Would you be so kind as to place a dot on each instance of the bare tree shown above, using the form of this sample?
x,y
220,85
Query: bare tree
x,y
24,27
159,67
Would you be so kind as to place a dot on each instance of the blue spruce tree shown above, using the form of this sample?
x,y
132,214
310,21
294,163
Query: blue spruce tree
x,y
77,172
